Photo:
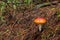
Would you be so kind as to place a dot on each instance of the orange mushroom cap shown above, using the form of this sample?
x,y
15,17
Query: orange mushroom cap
x,y
40,20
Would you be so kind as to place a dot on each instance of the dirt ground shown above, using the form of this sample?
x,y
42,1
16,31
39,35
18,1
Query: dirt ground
x,y
19,24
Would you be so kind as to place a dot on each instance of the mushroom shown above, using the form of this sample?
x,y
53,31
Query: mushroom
x,y
40,21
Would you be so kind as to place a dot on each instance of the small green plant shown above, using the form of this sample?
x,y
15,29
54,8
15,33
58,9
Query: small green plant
x,y
9,1
58,15
14,2
2,7
27,2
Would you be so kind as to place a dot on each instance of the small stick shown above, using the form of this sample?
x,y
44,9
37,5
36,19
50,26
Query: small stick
x,y
45,4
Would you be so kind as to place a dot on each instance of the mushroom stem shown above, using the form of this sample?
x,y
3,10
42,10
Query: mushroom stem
x,y
40,26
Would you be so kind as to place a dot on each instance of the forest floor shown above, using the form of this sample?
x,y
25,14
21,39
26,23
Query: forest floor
x,y
19,24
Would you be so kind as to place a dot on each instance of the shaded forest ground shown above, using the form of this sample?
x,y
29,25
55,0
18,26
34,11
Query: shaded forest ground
x,y
18,23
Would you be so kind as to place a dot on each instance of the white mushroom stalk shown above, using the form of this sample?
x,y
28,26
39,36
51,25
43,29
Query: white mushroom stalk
x,y
40,27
